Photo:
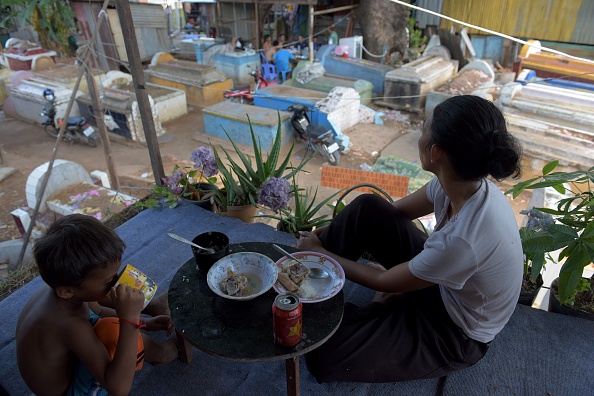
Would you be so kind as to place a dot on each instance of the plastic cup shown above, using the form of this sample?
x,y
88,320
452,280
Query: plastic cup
x,y
211,239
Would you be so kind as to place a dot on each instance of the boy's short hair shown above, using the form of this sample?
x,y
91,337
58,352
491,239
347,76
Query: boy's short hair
x,y
275,43
74,246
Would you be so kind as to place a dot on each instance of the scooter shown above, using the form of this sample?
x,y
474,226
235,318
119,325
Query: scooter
x,y
77,128
245,95
318,138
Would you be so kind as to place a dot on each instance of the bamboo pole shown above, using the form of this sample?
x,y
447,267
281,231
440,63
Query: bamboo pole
x,y
144,107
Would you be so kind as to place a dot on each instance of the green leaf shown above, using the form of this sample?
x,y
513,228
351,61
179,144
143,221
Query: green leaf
x,y
541,242
518,188
568,282
538,261
548,168
577,260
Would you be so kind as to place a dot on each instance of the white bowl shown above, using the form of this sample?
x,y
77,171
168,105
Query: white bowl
x,y
260,270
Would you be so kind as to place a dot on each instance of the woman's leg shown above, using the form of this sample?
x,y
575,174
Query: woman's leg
x,y
412,339
371,223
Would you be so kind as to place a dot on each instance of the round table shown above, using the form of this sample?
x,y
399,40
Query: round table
x,y
242,330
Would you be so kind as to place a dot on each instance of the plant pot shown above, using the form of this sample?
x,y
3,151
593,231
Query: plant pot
x,y
283,227
244,213
203,203
556,306
529,290
527,298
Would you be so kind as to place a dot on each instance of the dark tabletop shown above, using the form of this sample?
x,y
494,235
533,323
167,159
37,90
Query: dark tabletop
x,y
242,330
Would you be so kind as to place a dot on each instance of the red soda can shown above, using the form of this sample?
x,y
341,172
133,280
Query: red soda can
x,y
286,319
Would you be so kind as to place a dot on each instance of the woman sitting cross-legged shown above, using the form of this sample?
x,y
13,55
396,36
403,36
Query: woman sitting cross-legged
x,y
444,297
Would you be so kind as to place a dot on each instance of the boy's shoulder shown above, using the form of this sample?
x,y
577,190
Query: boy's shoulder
x,y
44,313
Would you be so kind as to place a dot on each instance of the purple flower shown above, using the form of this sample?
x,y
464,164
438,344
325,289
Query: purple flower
x,y
204,160
275,193
173,182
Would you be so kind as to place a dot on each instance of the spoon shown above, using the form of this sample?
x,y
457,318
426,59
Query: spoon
x,y
178,238
313,272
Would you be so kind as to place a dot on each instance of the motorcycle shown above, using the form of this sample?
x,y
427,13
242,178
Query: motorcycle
x,y
77,128
245,95
318,138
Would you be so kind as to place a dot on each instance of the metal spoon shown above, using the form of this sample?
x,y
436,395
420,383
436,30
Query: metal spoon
x,y
178,238
313,272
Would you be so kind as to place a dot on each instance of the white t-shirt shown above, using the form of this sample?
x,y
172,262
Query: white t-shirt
x,y
476,258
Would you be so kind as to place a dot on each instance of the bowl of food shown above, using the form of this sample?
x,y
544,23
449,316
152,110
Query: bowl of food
x,y
242,276
294,277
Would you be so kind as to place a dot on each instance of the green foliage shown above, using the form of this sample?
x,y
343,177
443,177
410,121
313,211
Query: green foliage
x,y
53,20
165,196
572,231
416,38
250,177
304,217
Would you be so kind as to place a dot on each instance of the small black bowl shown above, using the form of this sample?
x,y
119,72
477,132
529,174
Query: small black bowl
x,y
212,239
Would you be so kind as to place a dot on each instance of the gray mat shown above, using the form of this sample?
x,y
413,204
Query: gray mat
x,y
536,354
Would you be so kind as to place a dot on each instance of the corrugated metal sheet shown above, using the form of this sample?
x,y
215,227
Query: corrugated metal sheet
x,y
425,18
554,20
105,47
584,29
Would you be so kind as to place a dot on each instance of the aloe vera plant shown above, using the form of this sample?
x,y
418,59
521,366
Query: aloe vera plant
x,y
250,176
572,230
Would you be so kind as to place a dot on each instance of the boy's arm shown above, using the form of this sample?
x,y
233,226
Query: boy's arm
x,y
114,375
100,310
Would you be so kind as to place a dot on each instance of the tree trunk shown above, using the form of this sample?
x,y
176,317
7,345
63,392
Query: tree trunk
x,y
383,23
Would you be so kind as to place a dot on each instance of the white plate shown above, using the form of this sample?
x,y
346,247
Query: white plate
x,y
324,288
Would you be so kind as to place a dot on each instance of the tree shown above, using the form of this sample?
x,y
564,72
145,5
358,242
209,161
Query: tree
x,y
53,20
383,23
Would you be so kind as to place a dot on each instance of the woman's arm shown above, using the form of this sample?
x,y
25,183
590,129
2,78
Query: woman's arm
x,y
416,204
395,280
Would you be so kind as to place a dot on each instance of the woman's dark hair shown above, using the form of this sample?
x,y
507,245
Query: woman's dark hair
x,y
74,246
472,132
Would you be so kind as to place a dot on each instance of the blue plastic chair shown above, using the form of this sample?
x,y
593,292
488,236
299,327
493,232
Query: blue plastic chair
x,y
264,60
268,71
283,75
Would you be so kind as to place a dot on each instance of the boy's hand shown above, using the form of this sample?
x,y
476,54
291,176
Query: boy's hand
x,y
157,323
128,302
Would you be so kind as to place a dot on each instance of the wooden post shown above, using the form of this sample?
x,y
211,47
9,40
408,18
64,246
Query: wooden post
x,y
98,114
257,6
293,376
311,29
144,107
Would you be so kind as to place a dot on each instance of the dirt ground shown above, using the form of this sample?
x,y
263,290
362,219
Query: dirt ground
x,y
24,147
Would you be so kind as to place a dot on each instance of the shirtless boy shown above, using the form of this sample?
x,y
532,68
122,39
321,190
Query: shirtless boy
x,y
60,348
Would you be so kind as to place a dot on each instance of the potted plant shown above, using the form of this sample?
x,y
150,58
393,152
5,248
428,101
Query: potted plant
x,y
533,266
572,232
303,217
231,200
195,185
243,179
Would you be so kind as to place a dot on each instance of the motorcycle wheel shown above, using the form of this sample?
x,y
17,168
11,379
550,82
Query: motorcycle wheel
x,y
51,130
91,141
333,158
